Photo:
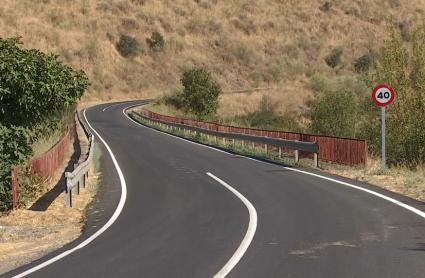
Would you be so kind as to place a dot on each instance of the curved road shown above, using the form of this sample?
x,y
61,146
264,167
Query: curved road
x,y
178,221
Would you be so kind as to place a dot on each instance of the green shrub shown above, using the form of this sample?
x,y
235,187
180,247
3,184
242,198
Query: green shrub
x,y
36,90
319,83
14,149
34,85
266,117
334,113
201,92
174,99
128,46
334,58
156,42
363,63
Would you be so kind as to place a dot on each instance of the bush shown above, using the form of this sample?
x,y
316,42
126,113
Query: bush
x,y
156,42
266,117
319,83
14,149
128,46
201,92
34,86
35,91
363,63
334,58
335,113
175,99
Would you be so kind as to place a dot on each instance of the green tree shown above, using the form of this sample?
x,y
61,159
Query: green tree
x,y
405,123
34,86
36,92
201,92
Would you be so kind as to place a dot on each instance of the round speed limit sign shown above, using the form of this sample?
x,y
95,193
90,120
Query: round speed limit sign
x,y
383,95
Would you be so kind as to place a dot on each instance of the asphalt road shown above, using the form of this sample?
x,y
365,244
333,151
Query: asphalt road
x,y
178,221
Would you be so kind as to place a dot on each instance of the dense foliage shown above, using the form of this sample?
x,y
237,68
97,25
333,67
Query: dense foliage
x,y
35,91
267,117
343,110
128,46
201,92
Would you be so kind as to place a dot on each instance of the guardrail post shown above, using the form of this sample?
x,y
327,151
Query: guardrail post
x,y
68,191
233,143
266,148
83,180
78,183
297,158
224,141
316,160
280,152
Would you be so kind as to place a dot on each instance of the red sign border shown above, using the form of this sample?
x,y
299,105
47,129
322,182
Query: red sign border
x,y
383,85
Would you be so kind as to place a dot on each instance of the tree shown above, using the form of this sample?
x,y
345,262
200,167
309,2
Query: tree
x,y
405,123
36,91
201,92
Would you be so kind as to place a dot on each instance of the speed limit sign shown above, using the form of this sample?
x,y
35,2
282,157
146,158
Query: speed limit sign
x,y
383,95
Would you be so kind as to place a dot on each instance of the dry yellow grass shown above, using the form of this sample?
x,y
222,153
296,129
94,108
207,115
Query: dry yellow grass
x,y
245,43
27,235
408,182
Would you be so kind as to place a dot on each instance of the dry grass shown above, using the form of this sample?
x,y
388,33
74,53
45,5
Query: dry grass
x,y
44,144
408,182
27,235
245,43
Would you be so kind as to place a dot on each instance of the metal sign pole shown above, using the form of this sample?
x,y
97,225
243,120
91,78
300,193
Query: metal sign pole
x,y
384,158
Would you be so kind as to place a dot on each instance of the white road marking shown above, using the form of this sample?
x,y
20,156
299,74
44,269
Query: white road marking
x,y
116,104
111,221
249,235
379,195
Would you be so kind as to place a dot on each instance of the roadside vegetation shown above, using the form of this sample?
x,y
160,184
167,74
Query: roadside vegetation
x,y
342,106
27,235
38,95
304,66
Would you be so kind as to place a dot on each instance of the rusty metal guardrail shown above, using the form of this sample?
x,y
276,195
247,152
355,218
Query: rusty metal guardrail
x,y
77,178
311,147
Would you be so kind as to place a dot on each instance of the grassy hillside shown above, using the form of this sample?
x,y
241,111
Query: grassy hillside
x,y
274,44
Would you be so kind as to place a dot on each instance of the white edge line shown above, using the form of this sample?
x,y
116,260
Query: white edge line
x,y
111,221
116,104
249,235
382,196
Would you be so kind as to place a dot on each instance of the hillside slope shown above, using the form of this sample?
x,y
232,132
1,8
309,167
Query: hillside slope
x,y
276,44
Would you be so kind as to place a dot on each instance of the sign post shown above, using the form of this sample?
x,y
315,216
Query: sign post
x,y
383,95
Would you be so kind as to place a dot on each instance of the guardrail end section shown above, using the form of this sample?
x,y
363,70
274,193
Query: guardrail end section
x,y
316,160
